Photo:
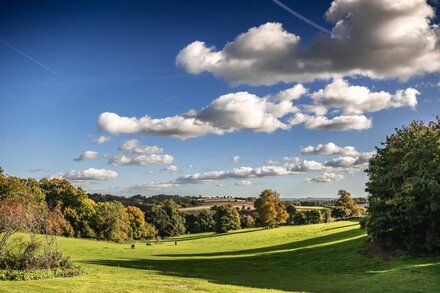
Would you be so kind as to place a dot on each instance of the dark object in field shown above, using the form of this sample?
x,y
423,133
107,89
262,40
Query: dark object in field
x,y
148,244
133,246
175,242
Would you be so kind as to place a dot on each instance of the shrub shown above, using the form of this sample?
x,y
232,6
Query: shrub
x,y
307,217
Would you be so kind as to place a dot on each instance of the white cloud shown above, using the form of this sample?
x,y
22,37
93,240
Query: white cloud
x,y
244,183
400,42
228,113
141,160
241,172
235,159
135,147
339,123
330,149
87,155
190,166
171,169
326,178
101,139
359,99
87,175
360,161
152,186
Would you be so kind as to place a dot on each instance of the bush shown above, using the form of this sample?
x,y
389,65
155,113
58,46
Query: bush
x,y
18,275
307,217
404,187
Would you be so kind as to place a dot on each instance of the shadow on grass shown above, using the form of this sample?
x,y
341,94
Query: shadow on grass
x,y
336,266
345,226
210,235
303,244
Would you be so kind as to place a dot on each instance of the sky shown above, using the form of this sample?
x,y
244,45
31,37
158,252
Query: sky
x,y
212,98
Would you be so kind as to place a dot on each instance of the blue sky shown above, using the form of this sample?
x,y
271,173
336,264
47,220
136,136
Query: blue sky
x,y
122,58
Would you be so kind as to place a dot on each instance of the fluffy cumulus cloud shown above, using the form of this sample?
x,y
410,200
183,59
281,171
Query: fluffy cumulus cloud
x,y
141,160
87,155
228,113
236,173
400,41
351,99
171,169
134,153
326,178
134,146
330,149
90,174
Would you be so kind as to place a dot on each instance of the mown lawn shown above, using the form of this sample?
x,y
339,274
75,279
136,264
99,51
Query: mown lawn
x,y
318,258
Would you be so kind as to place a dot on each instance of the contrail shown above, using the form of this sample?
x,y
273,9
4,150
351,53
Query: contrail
x,y
303,18
29,57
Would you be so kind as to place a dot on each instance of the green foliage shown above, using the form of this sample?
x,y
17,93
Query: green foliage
x,y
167,218
404,183
291,210
111,222
307,217
345,206
247,220
226,218
79,210
138,227
270,209
199,221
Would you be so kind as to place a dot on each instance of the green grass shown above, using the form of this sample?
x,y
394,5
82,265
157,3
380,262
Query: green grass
x,y
319,258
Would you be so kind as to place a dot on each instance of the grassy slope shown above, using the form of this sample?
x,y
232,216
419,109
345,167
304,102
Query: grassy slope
x,y
323,257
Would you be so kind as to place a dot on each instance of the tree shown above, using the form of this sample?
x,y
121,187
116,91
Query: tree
x,y
138,227
291,210
111,222
345,206
404,187
200,221
270,209
78,209
307,217
167,218
247,220
226,218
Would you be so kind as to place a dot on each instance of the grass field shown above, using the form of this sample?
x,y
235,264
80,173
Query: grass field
x,y
319,258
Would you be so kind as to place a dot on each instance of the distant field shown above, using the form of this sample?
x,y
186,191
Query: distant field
x,y
318,258
210,202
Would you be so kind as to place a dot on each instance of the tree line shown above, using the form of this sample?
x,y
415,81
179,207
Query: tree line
x,y
82,217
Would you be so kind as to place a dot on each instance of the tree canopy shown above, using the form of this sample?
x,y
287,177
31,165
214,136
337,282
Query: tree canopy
x,y
404,187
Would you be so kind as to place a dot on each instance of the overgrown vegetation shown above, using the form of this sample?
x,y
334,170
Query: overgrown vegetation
x,y
404,183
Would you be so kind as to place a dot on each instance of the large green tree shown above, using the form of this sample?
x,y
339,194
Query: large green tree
x,y
112,222
199,221
226,218
271,211
404,187
166,218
